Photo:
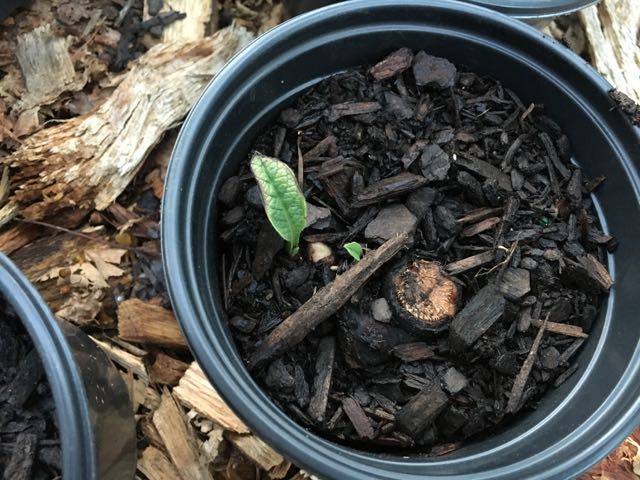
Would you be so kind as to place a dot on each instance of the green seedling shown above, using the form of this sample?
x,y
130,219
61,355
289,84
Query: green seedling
x,y
354,249
282,198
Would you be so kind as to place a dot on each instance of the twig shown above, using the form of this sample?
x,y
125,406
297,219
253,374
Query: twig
x,y
522,377
324,303
561,328
300,162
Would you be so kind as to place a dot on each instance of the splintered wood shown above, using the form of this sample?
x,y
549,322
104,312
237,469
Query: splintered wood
x,y
146,323
90,159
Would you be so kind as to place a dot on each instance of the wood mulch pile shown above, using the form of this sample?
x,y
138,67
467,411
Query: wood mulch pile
x,y
92,94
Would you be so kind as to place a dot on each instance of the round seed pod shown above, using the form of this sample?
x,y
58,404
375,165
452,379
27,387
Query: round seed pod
x,y
423,298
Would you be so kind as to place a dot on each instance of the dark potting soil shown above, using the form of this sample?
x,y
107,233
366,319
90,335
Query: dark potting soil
x,y
471,324
29,440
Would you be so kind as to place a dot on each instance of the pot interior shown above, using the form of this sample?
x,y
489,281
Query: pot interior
x,y
582,415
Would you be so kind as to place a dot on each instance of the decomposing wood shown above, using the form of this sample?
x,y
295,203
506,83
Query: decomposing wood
x,y
46,66
322,380
413,351
83,153
523,375
195,391
479,214
561,328
178,440
422,410
193,26
461,266
611,28
17,236
143,322
390,187
597,271
484,169
587,274
351,108
477,316
324,303
166,370
156,466
358,418
423,297
256,450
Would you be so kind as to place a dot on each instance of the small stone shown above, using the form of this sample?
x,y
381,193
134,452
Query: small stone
x,y
243,324
278,376
528,263
434,163
446,220
230,190
318,217
254,198
420,201
392,220
319,251
550,358
233,216
429,69
380,310
454,381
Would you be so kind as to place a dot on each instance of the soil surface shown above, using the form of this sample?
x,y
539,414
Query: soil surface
x,y
468,327
29,440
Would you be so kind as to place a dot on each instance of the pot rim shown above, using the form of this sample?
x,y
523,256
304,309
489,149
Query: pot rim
x,y
535,10
65,381
304,448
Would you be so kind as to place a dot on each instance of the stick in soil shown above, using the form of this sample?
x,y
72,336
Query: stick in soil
x,y
561,328
322,381
522,377
324,303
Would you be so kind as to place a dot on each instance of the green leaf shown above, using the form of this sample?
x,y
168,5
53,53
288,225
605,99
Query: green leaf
x,y
282,198
354,249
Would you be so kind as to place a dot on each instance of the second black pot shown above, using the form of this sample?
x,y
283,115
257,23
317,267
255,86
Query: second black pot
x,y
94,413
575,425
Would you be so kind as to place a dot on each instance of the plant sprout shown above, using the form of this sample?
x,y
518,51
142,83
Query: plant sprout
x,y
282,198
354,249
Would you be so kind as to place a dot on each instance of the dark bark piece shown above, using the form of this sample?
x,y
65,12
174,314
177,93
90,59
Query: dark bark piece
x,y
395,63
469,263
29,374
510,210
420,200
480,227
434,163
301,387
472,188
484,169
565,375
520,381
553,178
269,244
358,418
413,153
413,352
597,271
365,342
428,69
479,214
515,283
574,189
21,463
511,151
423,297
422,410
553,155
391,221
627,105
389,187
570,351
326,145
561,328
322,380
351,108
324,303
478,315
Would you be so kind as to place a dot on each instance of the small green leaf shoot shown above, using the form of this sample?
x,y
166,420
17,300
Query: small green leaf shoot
x,y
354,249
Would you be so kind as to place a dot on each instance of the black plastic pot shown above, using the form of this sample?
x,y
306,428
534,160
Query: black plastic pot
x,y
576,424
8,6
94,414
529,10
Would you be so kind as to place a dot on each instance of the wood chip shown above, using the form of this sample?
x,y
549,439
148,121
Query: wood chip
x,y
351,108
322,381
156,466
413,352
461,266
389,188
123,358
482,226
358,418
597,271
484,169
395,63
561,328
178,440
195,391
521,379
422,410
477,316
256,450
479,214
167,370
515,283
143,322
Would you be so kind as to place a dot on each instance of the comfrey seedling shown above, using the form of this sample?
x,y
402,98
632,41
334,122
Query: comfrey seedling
x,y
282,198
354,249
